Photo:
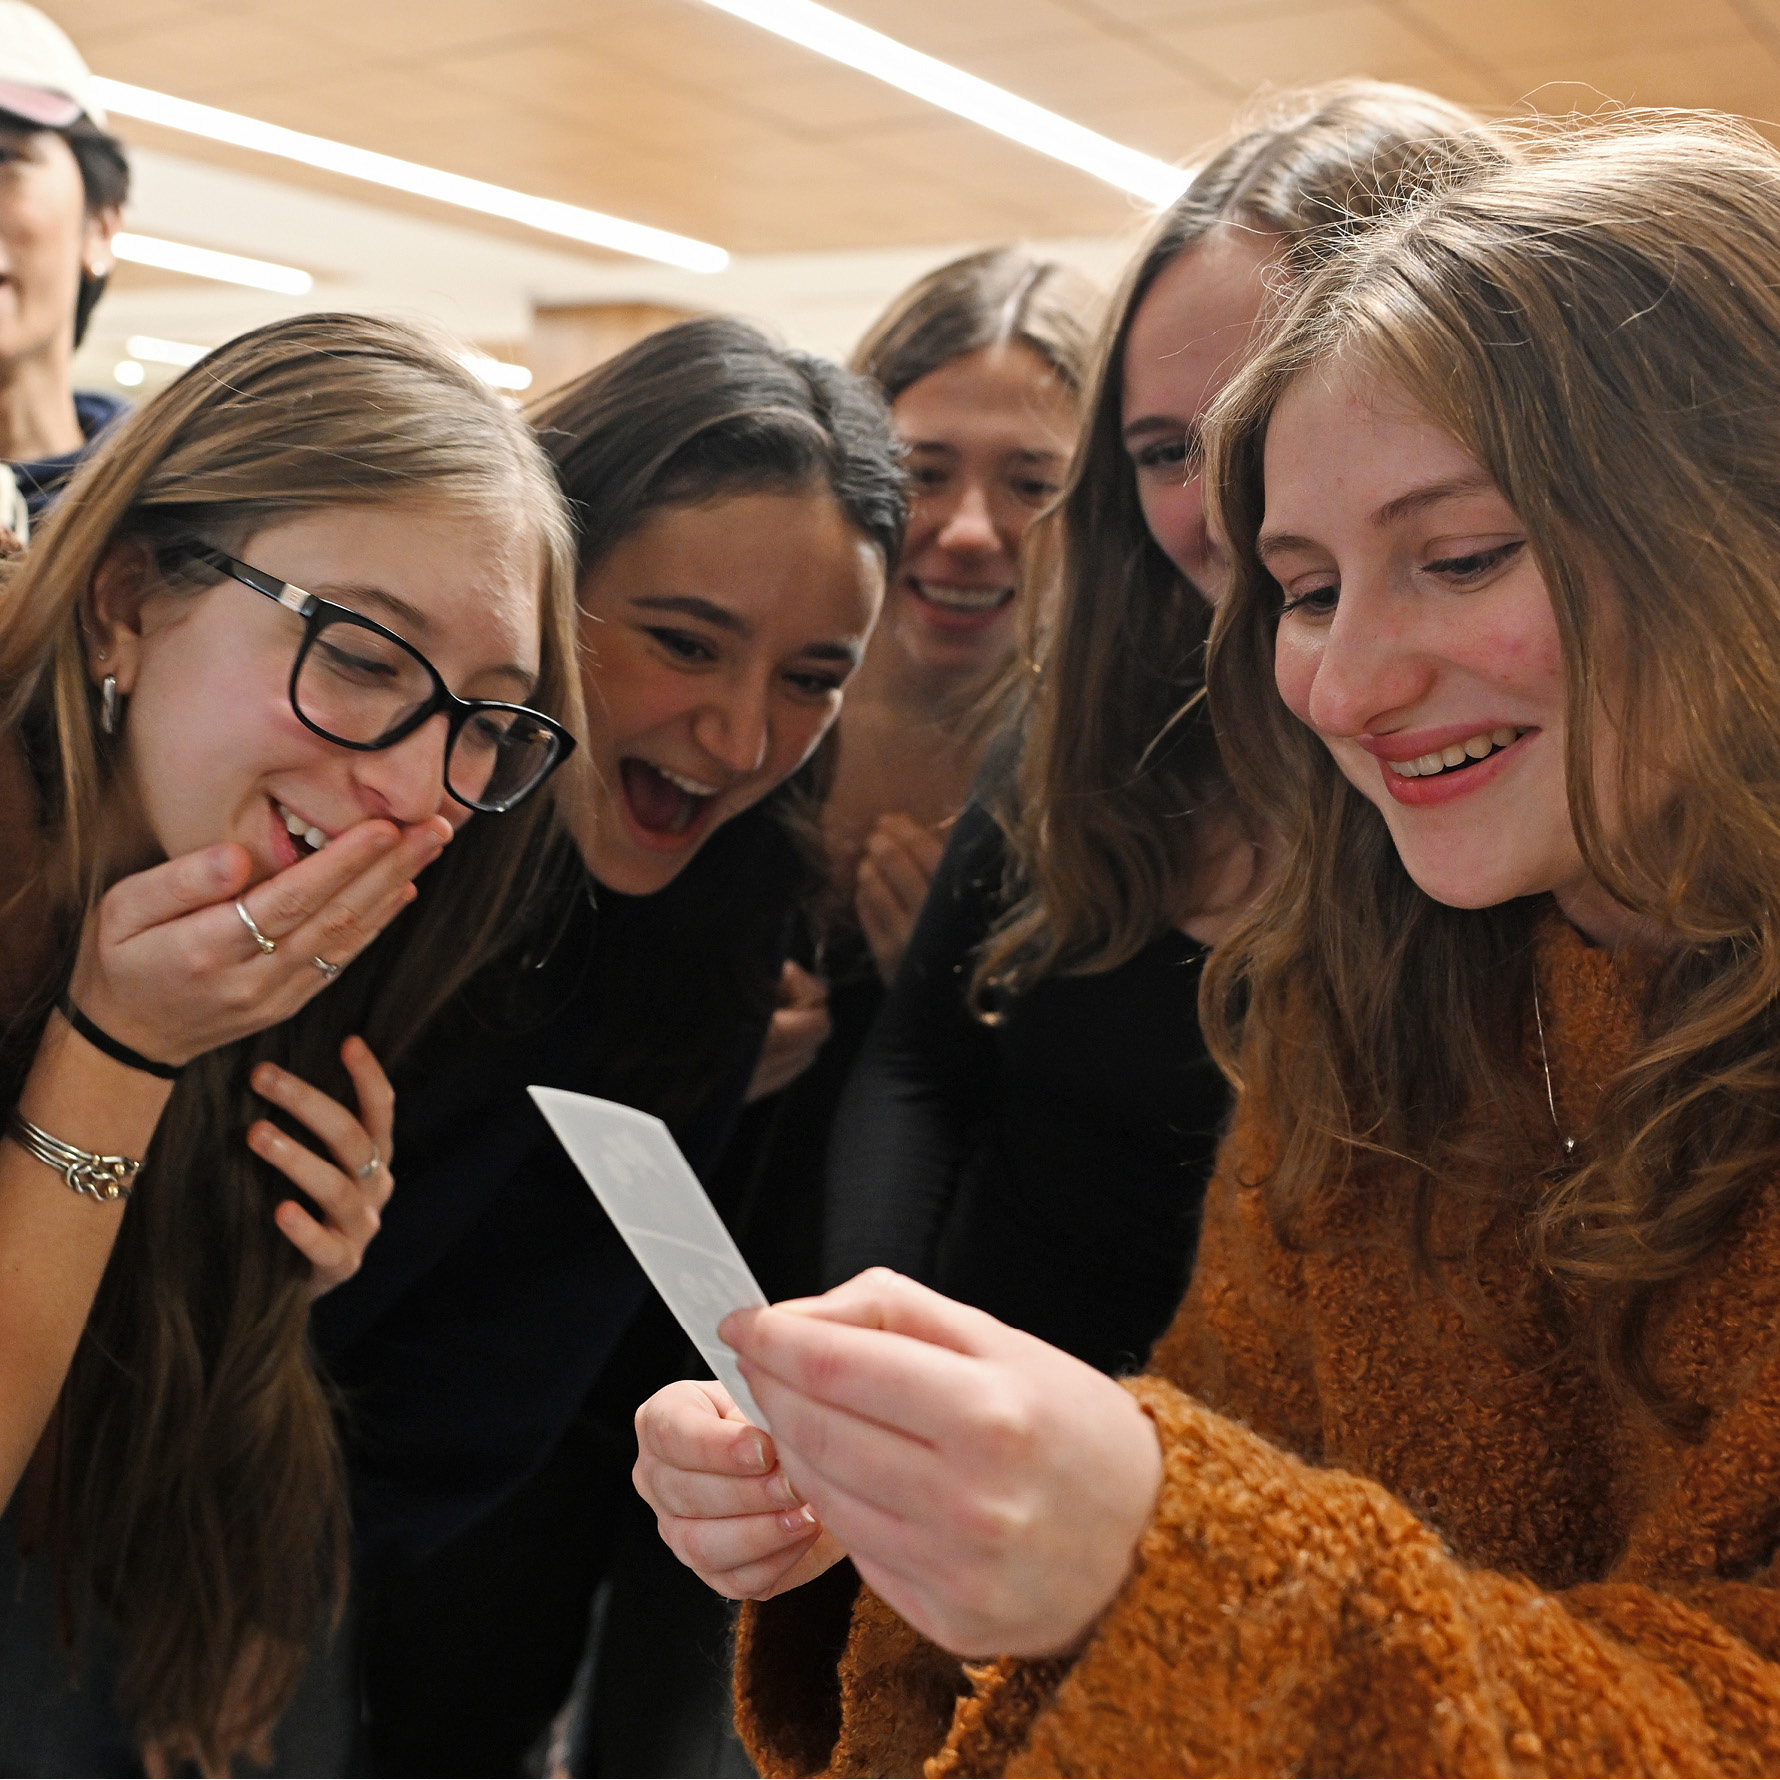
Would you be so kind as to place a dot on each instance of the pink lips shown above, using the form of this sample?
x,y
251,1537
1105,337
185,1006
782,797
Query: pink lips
x,y
1439,788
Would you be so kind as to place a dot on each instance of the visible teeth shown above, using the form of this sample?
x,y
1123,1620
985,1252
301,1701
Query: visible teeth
x,y
303,830
963,599
691,787
1454,754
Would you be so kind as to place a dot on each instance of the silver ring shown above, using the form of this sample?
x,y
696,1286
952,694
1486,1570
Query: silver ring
x,y
371,1167
253,927
330,971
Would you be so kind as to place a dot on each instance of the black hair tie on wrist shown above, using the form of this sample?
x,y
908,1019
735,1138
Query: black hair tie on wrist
x,y
103,1041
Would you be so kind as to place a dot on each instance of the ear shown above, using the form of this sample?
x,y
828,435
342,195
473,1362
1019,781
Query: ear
x,y
97,257
111,618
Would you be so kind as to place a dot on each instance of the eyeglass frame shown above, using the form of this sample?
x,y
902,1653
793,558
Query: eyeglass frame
x,y
317,614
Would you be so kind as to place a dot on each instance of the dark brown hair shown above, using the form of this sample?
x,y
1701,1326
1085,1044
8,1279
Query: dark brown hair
x,y
1116,749
1599,328
200,1500
696,413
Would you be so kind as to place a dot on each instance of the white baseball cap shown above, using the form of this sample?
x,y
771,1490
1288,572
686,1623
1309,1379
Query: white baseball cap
x,y
42,76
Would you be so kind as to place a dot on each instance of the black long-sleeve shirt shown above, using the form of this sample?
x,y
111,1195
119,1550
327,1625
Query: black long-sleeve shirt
x,y
1048,1168
497,1294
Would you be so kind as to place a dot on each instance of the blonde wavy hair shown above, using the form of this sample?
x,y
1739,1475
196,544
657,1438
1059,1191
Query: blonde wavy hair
x,y
1599,326
199,1498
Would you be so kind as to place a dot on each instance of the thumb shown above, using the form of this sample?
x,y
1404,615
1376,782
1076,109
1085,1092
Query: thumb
x,y
801,989
881,1299
165,892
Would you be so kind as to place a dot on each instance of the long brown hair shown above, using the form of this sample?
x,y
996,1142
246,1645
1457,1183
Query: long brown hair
x,y
1600,329
200,1499
1115,754
700,412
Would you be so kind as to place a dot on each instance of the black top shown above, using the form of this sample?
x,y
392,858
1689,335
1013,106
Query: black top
x,y
41,480
1050,1168
497,1293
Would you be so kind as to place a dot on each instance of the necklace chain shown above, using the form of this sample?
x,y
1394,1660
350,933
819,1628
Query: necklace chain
x,y
1569,1143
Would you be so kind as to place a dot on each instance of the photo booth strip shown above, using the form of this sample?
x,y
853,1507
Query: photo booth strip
x,y
650,1193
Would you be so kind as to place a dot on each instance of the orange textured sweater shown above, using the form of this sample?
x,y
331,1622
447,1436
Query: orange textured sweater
x,y
1381,1546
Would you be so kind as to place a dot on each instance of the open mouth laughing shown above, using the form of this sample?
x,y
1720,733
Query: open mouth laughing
x,y
662,803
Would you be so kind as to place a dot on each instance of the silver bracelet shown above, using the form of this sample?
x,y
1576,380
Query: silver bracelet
x,y
107,1178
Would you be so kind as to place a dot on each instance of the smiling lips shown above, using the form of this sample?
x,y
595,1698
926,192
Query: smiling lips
x,y
959,608
305,833
1456,754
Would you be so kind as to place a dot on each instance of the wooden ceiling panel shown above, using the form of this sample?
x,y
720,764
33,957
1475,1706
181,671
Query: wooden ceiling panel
x,y
1570,33
828,101
416,30
1067,73
202,56
1322,43
947,28
673,113
1723,75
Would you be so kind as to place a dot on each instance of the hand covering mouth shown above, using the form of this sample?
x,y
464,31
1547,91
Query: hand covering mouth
x,y
662,801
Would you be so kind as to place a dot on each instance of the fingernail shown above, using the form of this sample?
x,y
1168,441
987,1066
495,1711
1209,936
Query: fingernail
x,y
798,1520
783,1493
755,1453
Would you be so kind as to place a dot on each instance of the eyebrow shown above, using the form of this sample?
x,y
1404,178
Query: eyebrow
x,y
354,595
689,605
1413,500
1153,423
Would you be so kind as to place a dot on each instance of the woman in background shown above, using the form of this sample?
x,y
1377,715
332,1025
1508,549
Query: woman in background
x,y
736,507
1032,1120
225,760
982,362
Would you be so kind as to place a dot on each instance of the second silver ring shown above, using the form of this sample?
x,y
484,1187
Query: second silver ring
x,y
253,927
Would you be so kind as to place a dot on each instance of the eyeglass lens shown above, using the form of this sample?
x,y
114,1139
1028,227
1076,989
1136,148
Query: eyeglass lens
x,y
357,686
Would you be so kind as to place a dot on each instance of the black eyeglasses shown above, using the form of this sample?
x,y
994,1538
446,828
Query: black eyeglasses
x,y
357,683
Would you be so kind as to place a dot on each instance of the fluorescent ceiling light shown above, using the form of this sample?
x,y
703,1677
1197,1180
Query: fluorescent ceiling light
x,y
939,83
570,220
494,371
128,373
201,262
164,352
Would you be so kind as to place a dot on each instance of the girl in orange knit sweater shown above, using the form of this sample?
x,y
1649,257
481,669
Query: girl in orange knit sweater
x,y
1463,1453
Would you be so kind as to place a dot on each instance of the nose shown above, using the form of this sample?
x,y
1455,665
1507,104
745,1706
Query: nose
x,y
406,783
734,729
1370,667
969,529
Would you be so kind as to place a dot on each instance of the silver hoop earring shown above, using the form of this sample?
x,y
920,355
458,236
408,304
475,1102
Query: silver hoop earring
x,y
109,704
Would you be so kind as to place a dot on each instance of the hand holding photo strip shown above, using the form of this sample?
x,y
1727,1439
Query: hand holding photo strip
x,y
650,1193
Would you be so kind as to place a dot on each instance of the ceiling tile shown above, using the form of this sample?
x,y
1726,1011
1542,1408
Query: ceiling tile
x,y
1321,44
1508,33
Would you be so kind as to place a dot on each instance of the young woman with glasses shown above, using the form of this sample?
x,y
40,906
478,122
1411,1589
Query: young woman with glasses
x,y
301,622
1461,1455
736,507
